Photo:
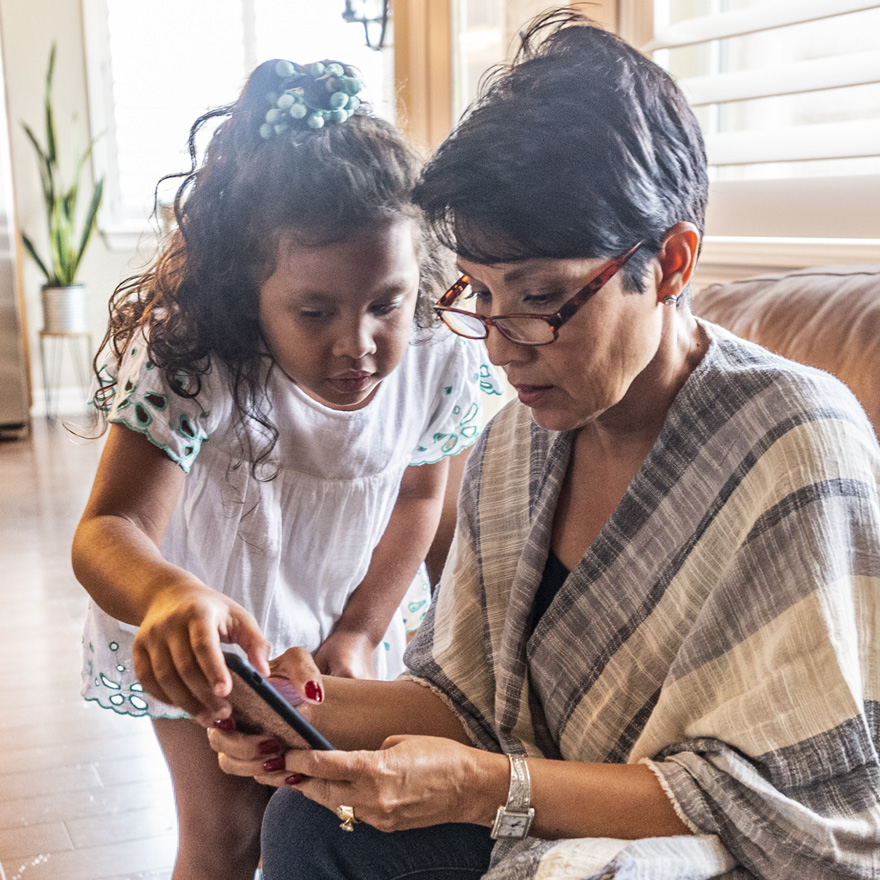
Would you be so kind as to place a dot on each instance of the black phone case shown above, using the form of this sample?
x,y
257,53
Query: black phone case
x,y
257,707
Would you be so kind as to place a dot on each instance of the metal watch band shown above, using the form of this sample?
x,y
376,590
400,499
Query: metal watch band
x,y
519,796
514,819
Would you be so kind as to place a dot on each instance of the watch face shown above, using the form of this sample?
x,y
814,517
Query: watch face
x,y
509,824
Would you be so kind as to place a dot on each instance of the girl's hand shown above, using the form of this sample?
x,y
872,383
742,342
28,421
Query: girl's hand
x,y
346,654
411,782
177,654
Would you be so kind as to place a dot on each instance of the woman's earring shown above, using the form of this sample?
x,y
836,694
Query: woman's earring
x,y
671,300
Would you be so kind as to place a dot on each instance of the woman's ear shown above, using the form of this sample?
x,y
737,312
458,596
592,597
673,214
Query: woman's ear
x,y
677,259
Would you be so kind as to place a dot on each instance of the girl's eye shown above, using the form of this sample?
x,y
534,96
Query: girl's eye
x,y
384,308
314,314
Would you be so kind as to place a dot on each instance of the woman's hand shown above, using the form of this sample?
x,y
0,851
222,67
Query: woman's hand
x,y
411,782
176,653
346,654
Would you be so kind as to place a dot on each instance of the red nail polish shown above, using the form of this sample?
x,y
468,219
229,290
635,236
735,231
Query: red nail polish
x,y
273,764
313,692
294,779
268,747
225,724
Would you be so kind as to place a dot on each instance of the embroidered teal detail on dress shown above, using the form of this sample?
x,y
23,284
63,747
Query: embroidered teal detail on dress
x,y
447,389
488,384
185,427
469,424
156,400
124,699
143,415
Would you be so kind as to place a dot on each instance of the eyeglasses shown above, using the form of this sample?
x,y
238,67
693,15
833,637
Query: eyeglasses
x,y
524,329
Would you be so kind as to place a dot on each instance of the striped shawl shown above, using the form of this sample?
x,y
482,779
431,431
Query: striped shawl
x,y
723,627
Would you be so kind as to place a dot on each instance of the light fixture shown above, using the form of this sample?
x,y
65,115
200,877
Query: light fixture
x,y
373,15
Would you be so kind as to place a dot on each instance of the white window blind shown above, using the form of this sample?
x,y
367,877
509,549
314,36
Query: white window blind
x,y
788,95
154,66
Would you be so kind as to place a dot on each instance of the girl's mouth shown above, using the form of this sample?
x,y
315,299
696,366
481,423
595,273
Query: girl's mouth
x,y
352,383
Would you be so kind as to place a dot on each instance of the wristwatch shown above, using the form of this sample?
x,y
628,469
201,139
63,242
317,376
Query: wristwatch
x,y
514,819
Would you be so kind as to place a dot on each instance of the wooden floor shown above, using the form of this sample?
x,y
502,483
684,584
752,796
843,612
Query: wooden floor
x,y
84,793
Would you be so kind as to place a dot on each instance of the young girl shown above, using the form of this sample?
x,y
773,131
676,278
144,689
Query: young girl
x,y
278,452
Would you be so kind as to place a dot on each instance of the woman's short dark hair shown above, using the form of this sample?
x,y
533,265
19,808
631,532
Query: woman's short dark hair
x,y
579,148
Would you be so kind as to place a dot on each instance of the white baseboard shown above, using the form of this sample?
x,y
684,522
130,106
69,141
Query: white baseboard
x,y
67,402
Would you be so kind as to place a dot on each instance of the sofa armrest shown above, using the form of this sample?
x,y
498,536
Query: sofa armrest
x,y
826,317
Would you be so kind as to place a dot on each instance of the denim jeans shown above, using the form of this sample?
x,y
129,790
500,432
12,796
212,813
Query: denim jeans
x,y
303,841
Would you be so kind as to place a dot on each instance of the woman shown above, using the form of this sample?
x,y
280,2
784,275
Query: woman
x,y
653,651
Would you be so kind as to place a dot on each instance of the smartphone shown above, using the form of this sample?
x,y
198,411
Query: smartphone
x,y
258,707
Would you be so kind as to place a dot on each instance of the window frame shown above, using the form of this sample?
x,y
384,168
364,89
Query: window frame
x,y
790,230
127,234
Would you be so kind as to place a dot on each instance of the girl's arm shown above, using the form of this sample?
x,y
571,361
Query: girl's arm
x,y
395,561
116,558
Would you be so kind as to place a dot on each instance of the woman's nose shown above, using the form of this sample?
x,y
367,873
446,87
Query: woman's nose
x,y
502,351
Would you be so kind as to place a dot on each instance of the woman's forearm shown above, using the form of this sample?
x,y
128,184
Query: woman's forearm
x,y
599,800
357,714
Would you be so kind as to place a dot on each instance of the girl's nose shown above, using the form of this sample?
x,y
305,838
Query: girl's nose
x,y
357,340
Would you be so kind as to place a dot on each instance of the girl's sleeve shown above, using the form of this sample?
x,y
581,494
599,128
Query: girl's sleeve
x,y
142,400
457,416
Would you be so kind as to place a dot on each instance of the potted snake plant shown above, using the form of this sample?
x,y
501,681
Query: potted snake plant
x,y
64,300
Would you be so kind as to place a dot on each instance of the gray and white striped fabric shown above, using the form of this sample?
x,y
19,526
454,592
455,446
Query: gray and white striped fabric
x,y
723,627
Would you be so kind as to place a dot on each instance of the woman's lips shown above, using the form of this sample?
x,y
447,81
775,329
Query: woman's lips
x,y
531,394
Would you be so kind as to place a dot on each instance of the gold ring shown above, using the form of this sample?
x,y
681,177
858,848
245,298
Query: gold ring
x,y
346,814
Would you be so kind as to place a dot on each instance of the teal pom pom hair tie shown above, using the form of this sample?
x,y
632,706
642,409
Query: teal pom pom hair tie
x,y
311,95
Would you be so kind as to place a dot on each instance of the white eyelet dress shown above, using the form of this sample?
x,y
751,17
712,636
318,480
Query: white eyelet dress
x,y
292,549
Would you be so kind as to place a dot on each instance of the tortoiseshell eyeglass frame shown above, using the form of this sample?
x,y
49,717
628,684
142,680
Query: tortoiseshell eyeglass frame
x,y
554,322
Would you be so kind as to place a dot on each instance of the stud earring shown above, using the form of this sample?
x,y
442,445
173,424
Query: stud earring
x,y
671,300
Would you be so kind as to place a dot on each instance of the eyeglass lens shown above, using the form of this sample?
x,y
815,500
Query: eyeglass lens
x,y
529,331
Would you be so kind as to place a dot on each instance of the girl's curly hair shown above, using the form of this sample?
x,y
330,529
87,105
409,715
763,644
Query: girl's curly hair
x,y
197,302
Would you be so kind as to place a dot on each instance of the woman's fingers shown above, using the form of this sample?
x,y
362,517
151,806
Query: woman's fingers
x,y
299,668
258,756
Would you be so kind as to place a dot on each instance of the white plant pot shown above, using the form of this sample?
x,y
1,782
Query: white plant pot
x,y
64,309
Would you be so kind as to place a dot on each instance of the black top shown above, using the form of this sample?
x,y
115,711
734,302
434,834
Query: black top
x,y
552,579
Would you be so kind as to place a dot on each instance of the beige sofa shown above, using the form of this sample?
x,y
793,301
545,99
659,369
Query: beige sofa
x,y
827,317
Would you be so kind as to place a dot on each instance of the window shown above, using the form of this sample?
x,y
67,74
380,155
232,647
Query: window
x,y
156,65
788,96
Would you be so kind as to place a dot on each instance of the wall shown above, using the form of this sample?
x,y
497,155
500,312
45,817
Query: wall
x,y
28,29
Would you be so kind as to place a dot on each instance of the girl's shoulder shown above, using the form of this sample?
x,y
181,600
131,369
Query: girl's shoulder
x,y
444,358
176,413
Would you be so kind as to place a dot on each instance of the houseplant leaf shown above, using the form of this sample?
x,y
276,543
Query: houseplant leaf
x,y
67,241
29,247
90,222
